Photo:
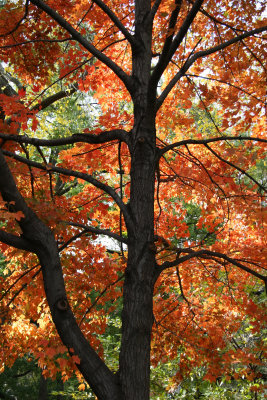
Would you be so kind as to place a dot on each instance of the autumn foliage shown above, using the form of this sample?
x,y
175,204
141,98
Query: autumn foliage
x,y
113,111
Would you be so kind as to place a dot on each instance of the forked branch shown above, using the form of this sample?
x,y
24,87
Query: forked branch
x,y
15,241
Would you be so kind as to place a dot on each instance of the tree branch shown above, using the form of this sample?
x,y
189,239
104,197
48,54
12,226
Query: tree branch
x,y
154,10
221,46
170,46
8,46
75,69
62,247
54,97
236,167
86,177
99,231
202,54
225,83
211,17
210,254
116,21
205,141
95,371
15,241
19,22
170,34
99,297
126,79
103,137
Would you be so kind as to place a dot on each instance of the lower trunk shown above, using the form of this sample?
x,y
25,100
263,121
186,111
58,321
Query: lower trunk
x,y
137,321
137,316
43,393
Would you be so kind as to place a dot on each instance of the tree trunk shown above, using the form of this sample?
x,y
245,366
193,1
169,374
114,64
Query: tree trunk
x,y
140,276
43,394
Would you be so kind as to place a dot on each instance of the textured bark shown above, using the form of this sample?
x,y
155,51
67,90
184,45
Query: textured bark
x,y
101,379
137,316
133,378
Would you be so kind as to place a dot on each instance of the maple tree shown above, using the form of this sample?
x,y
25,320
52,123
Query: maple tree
x,y
163,153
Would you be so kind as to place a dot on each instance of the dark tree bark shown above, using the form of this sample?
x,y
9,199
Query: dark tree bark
x,y
43,392
133,378
137,316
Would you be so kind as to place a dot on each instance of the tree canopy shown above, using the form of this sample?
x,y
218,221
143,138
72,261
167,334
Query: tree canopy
x,y
133,181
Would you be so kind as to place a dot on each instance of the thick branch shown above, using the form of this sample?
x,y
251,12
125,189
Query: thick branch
x,y
48,101
205,141
154,10
170,33
86,44
103,137
202,54
97,374
86,177
210,254
15,241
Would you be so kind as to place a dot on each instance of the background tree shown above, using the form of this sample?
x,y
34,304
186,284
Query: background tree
x,y
170,166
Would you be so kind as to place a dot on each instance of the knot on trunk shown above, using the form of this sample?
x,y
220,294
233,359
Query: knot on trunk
x,y
62,304
141,139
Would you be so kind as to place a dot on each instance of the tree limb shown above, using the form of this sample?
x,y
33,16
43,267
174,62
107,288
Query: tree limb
x,y
90,138
95,371
99,297
225,83
211,254
236,167
86,177
117,22
205,141
126,79
99,231
9,46
202,54
15,241
170,46
154,10
19,22
54,97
